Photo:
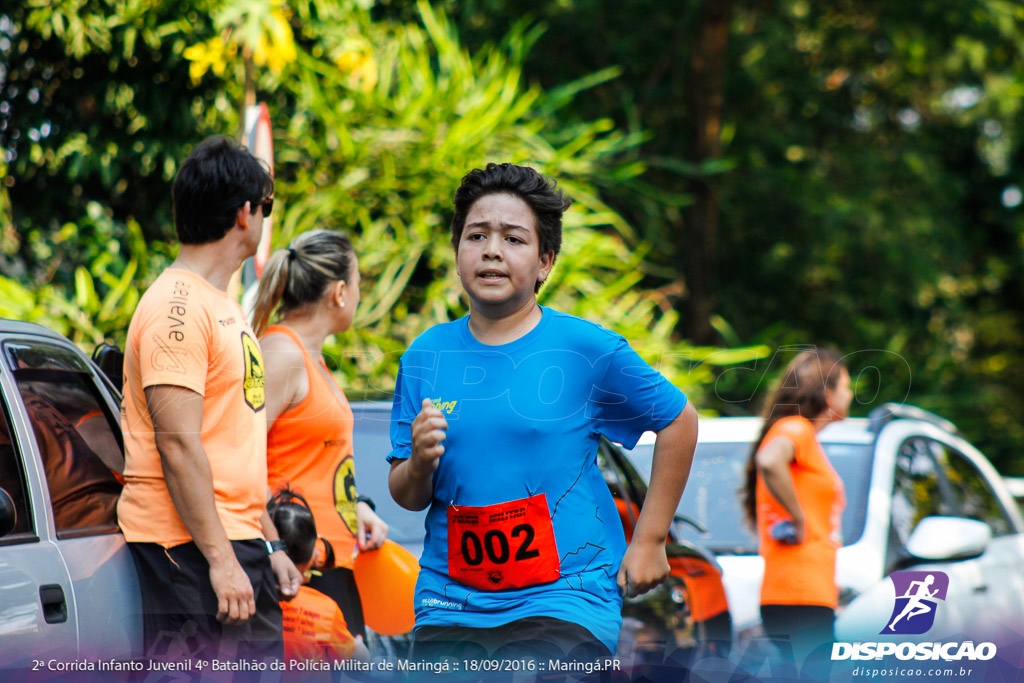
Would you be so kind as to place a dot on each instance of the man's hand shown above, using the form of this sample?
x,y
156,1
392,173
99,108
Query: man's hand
x,y
644,566
371,529
235,601
428,431
288,577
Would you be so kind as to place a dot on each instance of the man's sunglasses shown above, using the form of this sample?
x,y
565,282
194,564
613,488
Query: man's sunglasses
x,y
268,206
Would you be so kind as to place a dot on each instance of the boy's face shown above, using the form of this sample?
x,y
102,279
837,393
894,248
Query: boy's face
x,y
498,259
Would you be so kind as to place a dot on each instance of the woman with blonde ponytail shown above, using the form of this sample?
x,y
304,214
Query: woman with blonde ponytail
x,y
313,287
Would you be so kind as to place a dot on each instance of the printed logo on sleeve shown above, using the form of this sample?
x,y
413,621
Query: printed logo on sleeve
x,y
253,384
444,406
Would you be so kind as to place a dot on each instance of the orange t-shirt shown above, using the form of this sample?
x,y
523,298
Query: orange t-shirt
x,y
187,333
803,574
314,628
704,586
309,447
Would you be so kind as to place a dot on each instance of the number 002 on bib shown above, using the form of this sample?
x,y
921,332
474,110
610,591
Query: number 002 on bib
x,y
502,546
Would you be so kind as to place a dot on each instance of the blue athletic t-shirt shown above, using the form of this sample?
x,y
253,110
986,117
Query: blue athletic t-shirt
x,y
525,419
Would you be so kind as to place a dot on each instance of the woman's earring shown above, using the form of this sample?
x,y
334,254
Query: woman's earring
x,y
343,304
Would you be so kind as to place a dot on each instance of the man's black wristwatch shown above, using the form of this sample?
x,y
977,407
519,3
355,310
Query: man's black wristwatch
x,y
274,546
367,500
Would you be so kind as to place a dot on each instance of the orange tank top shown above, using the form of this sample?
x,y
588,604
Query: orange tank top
x,y
803,574
309,447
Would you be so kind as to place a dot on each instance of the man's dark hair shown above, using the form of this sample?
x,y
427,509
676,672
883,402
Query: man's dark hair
x,y
540,194
216,179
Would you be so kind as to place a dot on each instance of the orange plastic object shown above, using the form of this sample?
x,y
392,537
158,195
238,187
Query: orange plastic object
x,y
387,580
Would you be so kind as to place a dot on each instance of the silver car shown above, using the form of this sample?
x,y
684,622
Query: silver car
x,y
919,497
68,588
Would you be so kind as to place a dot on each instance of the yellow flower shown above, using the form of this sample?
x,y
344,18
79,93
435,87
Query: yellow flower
x,y
276,47
206,56
361,68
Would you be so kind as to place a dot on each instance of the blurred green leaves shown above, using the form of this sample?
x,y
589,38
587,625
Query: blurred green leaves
x,y
375,123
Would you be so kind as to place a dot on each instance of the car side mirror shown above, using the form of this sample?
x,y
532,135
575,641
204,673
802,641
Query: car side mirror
x,y
110,361
8,514
948,538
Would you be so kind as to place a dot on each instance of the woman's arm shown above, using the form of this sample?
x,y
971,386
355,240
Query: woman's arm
x,y
773,461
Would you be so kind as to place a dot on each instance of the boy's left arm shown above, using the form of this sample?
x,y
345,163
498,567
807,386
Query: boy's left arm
x,y
645,564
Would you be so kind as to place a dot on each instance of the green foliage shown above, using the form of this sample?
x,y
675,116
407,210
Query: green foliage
x,y
380,159
103,299
869,188
375,123
95,111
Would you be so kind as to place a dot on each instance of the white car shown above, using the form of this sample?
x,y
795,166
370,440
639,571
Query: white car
x,y
919,497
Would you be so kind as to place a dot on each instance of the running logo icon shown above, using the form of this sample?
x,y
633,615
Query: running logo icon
x,y
917,596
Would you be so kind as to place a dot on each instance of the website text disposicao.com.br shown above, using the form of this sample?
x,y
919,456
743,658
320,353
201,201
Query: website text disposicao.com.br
x,y
901,672
953,660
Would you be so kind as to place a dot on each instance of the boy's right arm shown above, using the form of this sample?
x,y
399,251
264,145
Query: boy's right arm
x,y
177,415
411,480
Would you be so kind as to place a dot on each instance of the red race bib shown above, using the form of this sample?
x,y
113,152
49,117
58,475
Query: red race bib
x,y
503,546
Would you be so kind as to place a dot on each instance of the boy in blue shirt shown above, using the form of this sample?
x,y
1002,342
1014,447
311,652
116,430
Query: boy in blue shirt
x,y
495,426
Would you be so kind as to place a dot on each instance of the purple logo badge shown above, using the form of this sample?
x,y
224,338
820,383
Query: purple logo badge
x,y
917,596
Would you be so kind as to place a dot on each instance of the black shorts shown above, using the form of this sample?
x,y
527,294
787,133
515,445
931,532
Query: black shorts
x,y
339,584
180,607
804,627
531,638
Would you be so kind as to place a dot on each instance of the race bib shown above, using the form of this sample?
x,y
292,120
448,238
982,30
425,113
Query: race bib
x,y
503,546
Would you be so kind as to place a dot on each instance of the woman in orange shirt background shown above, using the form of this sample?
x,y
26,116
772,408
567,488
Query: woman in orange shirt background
x,y
314,287
794,499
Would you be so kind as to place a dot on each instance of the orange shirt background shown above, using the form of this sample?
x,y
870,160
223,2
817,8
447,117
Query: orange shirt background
x,y
314,628
802,574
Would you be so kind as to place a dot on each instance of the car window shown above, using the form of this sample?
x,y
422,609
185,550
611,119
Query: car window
x,y
712,492
12,480
76,435
972,495
916,494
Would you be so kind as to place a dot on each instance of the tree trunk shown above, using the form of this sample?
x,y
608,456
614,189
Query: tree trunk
x,y
705,99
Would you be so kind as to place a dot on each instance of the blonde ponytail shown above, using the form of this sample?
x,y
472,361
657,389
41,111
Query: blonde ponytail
x,y
299,275
271,289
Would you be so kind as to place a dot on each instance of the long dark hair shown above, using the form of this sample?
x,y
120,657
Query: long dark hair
x,y
800,391
294,521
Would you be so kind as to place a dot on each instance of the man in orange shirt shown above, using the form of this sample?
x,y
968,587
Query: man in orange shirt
x,y
193,509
